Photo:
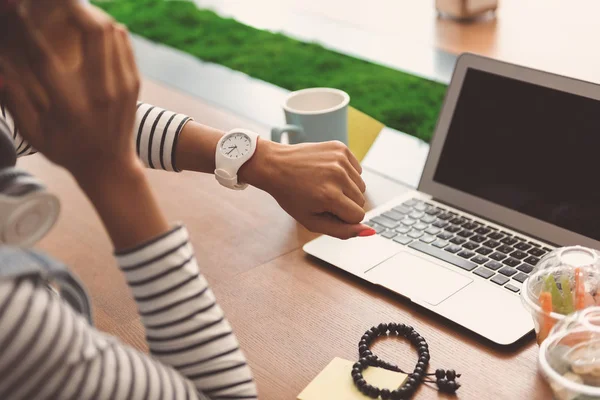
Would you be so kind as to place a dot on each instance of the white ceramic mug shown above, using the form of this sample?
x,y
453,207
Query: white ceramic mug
x,y
315,115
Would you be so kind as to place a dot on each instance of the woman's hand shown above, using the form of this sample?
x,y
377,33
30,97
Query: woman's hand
x,y
319,184
86,119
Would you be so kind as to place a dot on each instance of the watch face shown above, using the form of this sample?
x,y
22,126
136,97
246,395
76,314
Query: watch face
x,y
236,145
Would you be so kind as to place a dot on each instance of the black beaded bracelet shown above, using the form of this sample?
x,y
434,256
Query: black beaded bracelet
x,y
445,380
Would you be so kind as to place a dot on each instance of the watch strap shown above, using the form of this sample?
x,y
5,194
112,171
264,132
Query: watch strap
x,y
228,180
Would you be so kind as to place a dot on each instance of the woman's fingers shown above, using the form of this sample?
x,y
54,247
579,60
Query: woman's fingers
x,y
330,225
356,178
346,209
44,63
97,31
352,191
129,57
19,103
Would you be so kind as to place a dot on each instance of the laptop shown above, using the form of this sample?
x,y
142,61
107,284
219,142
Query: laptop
x,y
511,175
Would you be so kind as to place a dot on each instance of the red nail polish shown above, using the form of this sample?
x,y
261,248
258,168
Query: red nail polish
x,y
367,232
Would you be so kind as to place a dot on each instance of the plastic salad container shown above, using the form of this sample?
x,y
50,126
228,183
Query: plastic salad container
x,y
566,280
570,357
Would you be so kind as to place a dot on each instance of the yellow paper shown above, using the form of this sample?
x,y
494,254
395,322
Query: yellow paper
x,y
362,132
335,382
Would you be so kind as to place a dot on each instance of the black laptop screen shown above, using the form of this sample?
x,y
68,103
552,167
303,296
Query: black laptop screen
x,y
530,148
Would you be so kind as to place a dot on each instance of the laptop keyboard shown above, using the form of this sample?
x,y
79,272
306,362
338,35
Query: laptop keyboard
x,y
475,246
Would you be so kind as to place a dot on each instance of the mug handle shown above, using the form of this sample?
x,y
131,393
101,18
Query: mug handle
x,y
290,129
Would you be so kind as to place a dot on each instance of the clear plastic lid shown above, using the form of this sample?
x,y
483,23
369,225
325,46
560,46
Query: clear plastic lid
x,y
570,257
570,356
565,281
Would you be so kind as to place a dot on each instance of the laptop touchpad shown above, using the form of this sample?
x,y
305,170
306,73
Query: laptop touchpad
x,y
417,278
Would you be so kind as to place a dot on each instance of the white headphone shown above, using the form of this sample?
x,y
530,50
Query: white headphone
x,y
27,210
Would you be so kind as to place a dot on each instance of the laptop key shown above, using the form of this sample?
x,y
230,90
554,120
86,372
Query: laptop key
x,y
509,241
416,215
492,244
378,228
458,240
508,271
428,219
498,256
453,228
421,207
440,224
519,255
470,246
432,230
453,248
532,260
408,221
433,211
443,255
536,252
389,234
465,234
388,223
511,262
525,268
494,265
505,249
403,229
402,239
466,254
415,234
410,203
484,251
520,239
396,216
458,221
440,244
483,272
420,226
534,244
478,238
512,288
495,236
445,216
520,277
480,259
445,235
402,209
499,280
546,249
427,239
522,246
482,230
471,226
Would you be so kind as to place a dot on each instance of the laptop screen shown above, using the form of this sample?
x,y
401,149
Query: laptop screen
x,y
530,148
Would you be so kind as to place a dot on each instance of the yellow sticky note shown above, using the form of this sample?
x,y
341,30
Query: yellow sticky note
x,y
362,132
335,382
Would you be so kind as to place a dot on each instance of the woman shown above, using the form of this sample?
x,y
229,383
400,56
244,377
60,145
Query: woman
x,y
50,352
319,184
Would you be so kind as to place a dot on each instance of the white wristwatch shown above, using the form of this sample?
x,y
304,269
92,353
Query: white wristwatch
x,y
233,150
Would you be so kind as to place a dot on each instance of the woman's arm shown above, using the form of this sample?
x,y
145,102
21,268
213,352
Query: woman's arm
x,y
50,352
87,129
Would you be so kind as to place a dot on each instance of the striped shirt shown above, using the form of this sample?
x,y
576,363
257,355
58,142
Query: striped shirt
x,y
156,132
50,352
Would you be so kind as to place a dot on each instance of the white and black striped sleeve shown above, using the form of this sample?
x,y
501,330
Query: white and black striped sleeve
x,y
50,352
185,326
156,132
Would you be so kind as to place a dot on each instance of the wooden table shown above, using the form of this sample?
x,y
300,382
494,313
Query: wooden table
x,y
292,314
